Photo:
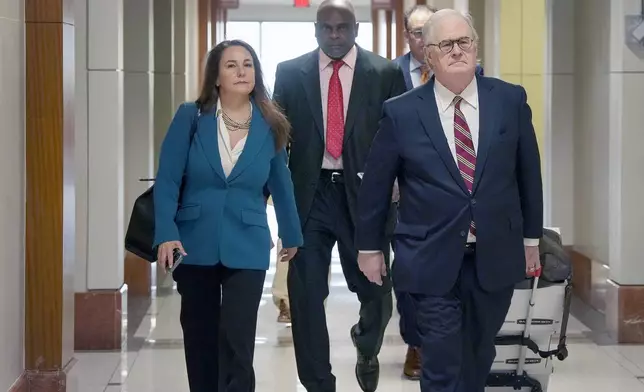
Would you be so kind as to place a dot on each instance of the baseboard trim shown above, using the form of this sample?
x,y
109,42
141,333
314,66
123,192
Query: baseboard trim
x,y
43,380
21,384
620,305
98,319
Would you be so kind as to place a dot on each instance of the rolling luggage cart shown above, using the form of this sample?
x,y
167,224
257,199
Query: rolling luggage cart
x,y
525,347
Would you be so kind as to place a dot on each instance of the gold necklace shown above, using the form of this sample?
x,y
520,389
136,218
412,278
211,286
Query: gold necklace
x,y
233,125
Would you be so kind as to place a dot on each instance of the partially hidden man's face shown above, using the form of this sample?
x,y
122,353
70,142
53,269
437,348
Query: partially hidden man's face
x,y
414,33
336,31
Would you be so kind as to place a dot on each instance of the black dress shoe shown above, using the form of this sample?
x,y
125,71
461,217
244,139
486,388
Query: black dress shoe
x,y
367,368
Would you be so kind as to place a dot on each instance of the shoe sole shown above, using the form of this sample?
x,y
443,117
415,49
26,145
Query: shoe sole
x,y
411,378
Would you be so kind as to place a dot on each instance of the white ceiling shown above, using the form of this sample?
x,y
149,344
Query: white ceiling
x,y
314,3
283,11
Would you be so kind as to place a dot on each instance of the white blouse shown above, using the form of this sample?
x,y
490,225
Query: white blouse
x,y
229,155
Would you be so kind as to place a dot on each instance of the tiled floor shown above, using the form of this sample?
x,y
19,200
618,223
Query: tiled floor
x,y
158,365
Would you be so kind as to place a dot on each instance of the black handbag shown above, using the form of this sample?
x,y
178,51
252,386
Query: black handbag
x,y
140,232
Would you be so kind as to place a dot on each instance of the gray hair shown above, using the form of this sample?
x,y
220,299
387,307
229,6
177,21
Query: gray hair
x,y
429,29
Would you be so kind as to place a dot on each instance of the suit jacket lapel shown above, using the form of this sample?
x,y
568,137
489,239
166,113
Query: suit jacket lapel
x,y
428,112
256,137
311,83
489,112
404,65
207,136
362,77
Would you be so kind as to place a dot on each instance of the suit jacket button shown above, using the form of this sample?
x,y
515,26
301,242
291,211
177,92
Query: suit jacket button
x,y
463,233
473,202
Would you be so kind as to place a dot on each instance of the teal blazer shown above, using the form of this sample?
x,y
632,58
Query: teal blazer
x,y
219,219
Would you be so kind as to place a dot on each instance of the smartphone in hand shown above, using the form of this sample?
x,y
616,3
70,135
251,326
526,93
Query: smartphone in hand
x,y
177,258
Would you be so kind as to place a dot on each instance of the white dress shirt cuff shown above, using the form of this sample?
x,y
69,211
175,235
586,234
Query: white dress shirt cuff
x,y
531,242
370,251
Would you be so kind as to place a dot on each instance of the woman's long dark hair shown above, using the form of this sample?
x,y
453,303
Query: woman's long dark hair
x,y
210,92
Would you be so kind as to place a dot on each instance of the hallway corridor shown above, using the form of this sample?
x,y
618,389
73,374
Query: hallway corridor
x,y
153,359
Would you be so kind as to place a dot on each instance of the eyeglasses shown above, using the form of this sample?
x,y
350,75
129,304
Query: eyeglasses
x,y
446,46
416,33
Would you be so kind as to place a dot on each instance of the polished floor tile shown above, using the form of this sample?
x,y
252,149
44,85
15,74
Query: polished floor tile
x,y
159,365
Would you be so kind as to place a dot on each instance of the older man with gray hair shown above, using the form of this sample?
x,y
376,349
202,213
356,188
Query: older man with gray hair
x,y
465,154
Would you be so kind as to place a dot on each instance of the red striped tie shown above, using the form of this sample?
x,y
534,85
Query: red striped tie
x,y
465,153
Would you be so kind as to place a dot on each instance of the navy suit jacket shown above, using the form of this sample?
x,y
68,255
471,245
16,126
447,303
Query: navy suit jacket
x,y
218,218
435,206
404,60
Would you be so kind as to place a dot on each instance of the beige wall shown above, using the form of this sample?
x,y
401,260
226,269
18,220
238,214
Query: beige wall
x,y
595,133
560,124
578,128
591,137
477,11
149,75
12,179
626,119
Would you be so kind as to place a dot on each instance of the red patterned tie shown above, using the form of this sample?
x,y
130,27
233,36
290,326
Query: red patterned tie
x,y
465,153
335,113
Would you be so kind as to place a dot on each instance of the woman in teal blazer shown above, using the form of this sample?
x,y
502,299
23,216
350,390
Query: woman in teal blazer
x,y
210,204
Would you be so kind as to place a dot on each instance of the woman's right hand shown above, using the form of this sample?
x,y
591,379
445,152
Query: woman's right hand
x,y
165,253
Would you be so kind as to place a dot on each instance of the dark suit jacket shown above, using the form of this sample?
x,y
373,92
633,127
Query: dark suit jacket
x,y
404,60
297,91
435,206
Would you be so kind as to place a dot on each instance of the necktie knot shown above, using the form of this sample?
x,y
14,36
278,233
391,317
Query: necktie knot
x,y
457,101
337,64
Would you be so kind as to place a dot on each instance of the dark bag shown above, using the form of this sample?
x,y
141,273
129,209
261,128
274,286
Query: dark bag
x,y
140,232
556,265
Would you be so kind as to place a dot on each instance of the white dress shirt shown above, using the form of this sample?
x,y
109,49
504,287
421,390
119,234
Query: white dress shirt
x,y
470,109
415,71
346,80
229,155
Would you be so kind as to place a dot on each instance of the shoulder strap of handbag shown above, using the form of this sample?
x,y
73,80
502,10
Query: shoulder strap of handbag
x,y
195,121
193,130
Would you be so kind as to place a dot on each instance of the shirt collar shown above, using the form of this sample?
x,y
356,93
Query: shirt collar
x,y
413,63
445,98
349,58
